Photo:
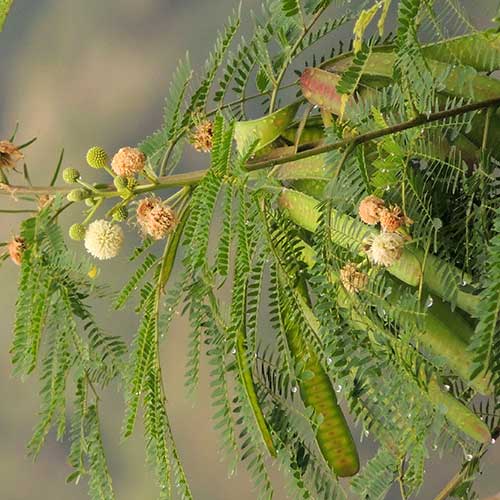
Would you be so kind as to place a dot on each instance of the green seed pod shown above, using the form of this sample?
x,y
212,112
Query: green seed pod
x,y
97,157
265,130
120,214
120,183
70,175
77,232
77,195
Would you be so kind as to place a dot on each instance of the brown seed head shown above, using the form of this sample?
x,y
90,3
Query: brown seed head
x,y
9,154
369,209
352,279
155,219
16,248
128,161
203,135
392,219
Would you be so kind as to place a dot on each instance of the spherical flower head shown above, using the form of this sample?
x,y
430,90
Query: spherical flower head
x,y
97,157
369,209
16,248
203,136
391,219
9,154
155,219
352,279
385,248
70,175
103,239
77,195
128,161
77,232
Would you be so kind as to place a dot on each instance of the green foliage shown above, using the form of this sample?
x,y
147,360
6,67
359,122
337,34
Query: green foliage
x,y
296,337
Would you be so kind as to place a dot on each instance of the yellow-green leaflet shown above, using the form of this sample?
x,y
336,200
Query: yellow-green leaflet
x,y
5,6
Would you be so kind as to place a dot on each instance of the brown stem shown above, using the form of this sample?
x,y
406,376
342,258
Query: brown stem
x,y
191,178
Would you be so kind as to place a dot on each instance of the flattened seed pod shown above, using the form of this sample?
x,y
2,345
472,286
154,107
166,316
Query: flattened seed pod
x,y
265,129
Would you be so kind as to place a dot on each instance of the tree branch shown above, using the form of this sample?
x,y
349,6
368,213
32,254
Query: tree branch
x,y
276,158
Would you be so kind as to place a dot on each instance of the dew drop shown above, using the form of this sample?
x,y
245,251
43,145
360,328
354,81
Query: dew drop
x,y
434,446
366,432
429,302
329,361
447,387
295,389
493,441
468,457
233,351
338,388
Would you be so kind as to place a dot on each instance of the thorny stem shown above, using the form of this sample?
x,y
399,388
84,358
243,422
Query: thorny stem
x,y
191,178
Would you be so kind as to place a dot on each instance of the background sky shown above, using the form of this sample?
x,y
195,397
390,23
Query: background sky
x,y
75,73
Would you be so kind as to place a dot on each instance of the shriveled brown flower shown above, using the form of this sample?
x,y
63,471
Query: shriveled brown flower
x,y
202,137
16,248
154,218
370,208
128,161
44,200
352,279
9,154
391,219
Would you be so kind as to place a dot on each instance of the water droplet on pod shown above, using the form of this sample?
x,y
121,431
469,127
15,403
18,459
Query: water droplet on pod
x,y
295,389
233,351
338,388
329,361
429,302
447,387
468,457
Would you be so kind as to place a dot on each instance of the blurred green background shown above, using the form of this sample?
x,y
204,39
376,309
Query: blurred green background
x,y
76,73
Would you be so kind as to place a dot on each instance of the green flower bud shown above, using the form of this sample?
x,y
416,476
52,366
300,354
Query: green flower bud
x,y
126,193
97,157
77,232
120,183
90,202
132,183
70,175
77,195
120,214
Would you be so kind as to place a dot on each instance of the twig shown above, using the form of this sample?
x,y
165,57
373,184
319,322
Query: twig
x,y
191,178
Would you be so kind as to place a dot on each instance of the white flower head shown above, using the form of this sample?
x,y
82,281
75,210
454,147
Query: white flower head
x,y
385,248
103,239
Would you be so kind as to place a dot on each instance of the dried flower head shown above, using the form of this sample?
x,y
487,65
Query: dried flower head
x,y
369,209
9,154
16,248
391,219
128,161
202,137
385,248
44,200
154,218
103,239
352,279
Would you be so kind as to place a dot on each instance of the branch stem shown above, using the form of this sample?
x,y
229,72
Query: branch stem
x,y
305,151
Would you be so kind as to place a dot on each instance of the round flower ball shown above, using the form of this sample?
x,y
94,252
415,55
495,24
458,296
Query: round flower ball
x,y
154,218
103,239
385,248
352,279
16,248
369,209
97,157
128,161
